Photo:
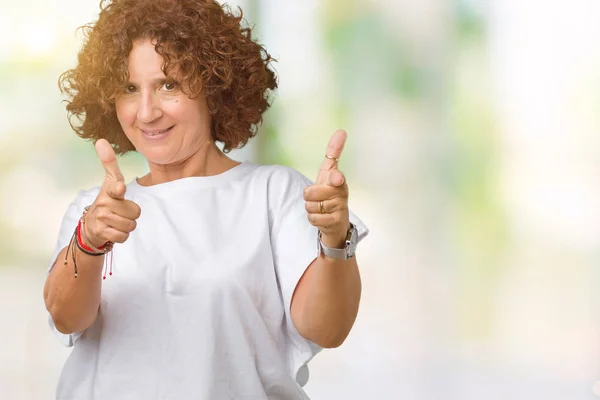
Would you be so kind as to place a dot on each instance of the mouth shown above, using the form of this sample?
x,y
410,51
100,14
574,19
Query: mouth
x,y
156,133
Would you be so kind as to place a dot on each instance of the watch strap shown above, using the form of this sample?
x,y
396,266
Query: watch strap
x,y
340,254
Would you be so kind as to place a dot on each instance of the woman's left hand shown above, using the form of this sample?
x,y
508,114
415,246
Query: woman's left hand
x,y
327,199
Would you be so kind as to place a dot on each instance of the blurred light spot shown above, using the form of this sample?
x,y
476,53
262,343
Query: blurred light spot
x,y
6,31
38,39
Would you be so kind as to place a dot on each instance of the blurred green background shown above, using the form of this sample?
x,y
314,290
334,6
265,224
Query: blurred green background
x,y
472,154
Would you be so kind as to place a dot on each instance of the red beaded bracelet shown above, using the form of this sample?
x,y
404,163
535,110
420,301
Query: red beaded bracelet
x,y
81,238
77,240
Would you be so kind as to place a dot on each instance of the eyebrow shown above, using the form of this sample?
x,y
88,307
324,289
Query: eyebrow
x,y
154,81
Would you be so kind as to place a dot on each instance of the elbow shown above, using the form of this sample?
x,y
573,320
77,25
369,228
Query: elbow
x,y
59,322
65,317
68,325
51,308
324,336
65,322
330,343
63,328
54,314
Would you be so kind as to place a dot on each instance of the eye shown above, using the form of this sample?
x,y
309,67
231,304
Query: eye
x,y
130,89
169,86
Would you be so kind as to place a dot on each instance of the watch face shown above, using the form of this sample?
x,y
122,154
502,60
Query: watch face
x,y
352,242
353,233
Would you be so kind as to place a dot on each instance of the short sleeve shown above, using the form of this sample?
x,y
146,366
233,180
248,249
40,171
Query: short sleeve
x,y
294,246
67,226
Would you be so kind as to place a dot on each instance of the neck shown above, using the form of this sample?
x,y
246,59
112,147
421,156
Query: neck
x,y
208,160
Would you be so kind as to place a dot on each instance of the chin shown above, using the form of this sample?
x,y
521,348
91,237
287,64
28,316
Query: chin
x,y
157,156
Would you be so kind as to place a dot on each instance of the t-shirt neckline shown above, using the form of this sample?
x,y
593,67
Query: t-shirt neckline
x,y
194,181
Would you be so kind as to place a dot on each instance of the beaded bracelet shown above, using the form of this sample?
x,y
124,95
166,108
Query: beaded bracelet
x,y
77,240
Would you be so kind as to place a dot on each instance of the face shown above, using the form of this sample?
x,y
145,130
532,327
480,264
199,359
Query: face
x,y
162,122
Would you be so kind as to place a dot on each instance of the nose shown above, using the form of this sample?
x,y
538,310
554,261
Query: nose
x,y
149,108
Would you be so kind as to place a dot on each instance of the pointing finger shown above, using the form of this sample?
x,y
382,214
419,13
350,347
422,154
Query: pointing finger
x,y
109,161
116,190
333,152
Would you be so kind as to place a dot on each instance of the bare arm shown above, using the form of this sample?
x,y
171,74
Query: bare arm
x,y
326,299
73,302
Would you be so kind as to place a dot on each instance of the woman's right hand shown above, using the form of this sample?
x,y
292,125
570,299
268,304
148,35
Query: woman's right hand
x,y
110,218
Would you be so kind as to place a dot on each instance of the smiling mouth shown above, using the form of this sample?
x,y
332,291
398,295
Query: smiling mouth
x,y
156,132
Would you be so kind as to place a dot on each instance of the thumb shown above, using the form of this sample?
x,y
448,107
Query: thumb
x,y
333,152
336,178
116,190
109,161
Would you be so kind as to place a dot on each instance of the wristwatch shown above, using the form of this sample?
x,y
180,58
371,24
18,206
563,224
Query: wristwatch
x,y
341,254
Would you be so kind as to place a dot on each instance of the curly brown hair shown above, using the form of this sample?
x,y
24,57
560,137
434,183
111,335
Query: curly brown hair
x,y
201,41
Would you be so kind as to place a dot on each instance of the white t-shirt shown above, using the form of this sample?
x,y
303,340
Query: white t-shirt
x,y
198,303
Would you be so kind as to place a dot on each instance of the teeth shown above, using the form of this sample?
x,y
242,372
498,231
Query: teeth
x,y
156,133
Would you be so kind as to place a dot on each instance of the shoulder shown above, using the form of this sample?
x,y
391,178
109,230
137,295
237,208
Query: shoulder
x,y
284,186
75,208
281,176
85,197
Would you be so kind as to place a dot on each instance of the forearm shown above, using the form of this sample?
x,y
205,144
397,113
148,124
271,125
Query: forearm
x,y
331,303
73,302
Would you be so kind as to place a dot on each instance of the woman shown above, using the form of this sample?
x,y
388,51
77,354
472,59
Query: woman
x,y
221,279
